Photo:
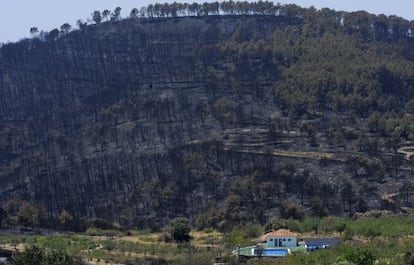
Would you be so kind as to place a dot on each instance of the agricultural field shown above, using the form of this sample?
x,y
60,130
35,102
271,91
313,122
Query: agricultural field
x,y
116,247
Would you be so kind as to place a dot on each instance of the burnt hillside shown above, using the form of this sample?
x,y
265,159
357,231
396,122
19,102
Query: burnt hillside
x,y
220,118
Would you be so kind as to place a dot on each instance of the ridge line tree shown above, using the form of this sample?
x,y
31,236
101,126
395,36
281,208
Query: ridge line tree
x,y
96,16
34,31
116,15
106,14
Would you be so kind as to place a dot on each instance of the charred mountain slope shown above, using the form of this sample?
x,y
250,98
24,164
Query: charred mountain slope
x,y
217,117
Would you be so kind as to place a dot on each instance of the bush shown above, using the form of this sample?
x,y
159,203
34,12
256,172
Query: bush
x,y
35,255
109,245
180,229
237,236
360,256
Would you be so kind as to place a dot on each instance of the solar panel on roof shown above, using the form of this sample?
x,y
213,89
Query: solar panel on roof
x,y
327,241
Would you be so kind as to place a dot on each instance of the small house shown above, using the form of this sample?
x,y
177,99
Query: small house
x,y
281,243
279,238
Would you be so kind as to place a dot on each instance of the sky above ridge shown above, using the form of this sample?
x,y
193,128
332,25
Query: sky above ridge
x,y
18,16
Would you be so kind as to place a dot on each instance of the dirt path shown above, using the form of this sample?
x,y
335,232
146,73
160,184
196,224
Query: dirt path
x,y
284,153
13,247
407,151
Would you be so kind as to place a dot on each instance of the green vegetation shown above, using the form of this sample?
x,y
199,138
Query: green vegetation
x,y
71,244
180,229
36,255
376,238
137,248
391,226
364,240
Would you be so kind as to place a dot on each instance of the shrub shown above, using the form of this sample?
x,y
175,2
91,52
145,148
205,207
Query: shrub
x,y
237,236
360,256
36,255
180,229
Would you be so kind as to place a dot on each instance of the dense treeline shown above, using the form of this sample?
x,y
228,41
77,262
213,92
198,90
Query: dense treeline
x,y
254,110
367,26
